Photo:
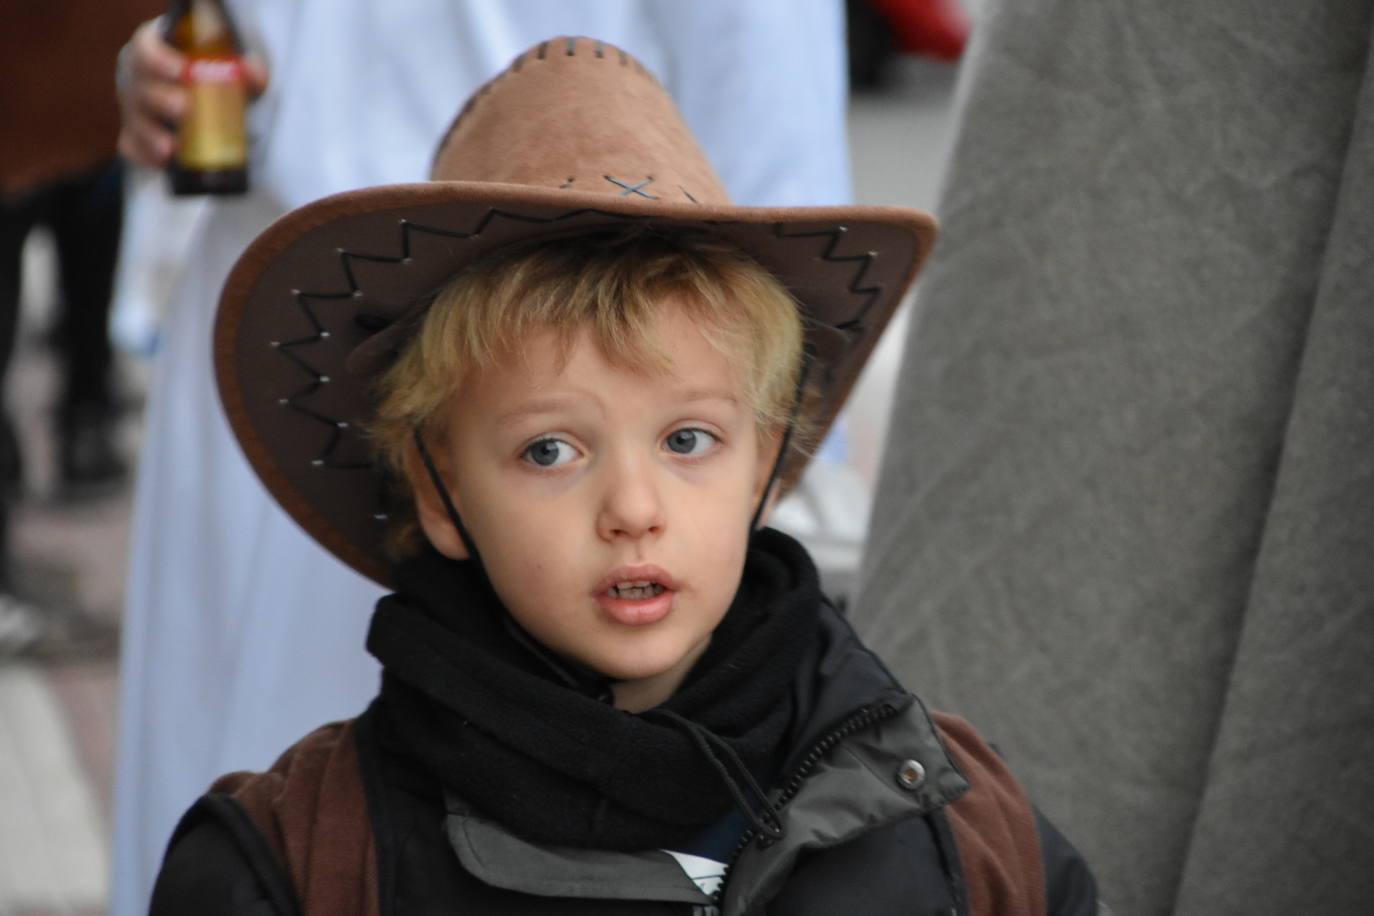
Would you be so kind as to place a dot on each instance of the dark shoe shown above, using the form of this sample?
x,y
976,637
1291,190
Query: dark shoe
x,y
88,459
76,635
30,631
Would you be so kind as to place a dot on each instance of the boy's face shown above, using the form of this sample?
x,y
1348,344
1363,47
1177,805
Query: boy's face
x,y
611,509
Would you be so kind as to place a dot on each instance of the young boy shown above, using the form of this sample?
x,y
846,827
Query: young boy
x,y
606,689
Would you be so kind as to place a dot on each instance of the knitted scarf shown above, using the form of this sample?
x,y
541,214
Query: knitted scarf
x,y
488,717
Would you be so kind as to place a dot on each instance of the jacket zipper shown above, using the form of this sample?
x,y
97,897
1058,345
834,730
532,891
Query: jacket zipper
x,y
862,718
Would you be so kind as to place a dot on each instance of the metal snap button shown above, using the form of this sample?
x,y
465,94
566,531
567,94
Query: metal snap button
x,y
911,774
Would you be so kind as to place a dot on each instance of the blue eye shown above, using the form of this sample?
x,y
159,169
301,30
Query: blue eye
x,y
689,441
548,453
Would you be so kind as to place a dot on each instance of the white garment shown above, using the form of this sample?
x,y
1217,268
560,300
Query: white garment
x,y
240,633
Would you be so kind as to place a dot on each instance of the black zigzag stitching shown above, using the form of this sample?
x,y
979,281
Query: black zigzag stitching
x,y
855,325
317,380
303,300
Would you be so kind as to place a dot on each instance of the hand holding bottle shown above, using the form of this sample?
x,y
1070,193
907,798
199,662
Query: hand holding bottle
x,y
153,99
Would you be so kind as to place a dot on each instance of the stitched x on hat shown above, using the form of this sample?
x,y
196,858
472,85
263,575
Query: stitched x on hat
x,y
574,136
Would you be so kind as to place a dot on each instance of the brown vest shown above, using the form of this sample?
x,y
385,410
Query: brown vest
x,y
312,810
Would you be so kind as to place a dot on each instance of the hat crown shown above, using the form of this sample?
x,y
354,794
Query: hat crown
x,y
579,114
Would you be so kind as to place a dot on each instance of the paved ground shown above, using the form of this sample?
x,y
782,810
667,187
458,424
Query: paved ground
x,y
57,719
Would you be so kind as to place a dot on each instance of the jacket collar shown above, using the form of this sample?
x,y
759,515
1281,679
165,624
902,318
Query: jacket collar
x,y
498,857
852,756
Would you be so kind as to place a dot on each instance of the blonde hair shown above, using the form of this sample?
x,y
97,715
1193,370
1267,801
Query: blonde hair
x,y
611,284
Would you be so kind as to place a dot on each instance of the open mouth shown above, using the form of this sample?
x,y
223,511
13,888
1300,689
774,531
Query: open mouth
x,y
635,591
637,595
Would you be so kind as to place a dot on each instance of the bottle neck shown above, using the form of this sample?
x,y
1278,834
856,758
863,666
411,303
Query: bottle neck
x,y
201,27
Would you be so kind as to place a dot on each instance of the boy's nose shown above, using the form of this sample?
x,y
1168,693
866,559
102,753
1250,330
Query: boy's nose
x,y
631,506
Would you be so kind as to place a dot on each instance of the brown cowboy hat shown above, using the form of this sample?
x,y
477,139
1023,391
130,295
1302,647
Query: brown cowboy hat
x,y
575,135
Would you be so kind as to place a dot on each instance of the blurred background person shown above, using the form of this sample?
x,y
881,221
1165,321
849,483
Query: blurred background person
x,y
1127,508
58,172
220,668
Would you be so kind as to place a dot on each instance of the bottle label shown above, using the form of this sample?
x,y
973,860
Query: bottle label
x,y
212,136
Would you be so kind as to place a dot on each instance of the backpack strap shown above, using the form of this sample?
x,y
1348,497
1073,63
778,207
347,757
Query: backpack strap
x,y
994,828
218,860
311,812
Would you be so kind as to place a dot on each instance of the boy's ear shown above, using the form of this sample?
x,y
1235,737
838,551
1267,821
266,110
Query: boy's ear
x,y
429,505
767,507
768,455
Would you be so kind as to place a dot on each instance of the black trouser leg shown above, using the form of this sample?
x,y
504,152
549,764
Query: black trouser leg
x,y
86,222
86,219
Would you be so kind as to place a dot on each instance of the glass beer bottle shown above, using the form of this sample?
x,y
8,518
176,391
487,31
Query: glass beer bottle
x,y
211,154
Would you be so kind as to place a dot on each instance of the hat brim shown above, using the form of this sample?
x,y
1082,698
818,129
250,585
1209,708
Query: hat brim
x,y
307,296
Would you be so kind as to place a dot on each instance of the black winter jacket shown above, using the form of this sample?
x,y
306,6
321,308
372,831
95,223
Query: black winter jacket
x,y
886,810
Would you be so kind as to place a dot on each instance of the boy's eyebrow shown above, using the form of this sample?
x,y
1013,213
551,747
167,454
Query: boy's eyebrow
x,y
708,394
557,402
550,404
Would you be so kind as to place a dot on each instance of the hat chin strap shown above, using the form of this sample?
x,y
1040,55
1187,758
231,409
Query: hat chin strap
x,y
786,442
447,500
577,676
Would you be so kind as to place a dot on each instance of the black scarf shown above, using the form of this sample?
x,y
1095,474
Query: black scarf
x,y
487,716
